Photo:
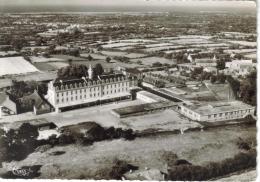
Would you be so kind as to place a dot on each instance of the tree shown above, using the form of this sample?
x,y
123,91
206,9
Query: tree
x,y
157,64
248,89
28,132
3,148
235,84
72,71
90,58
221,78
221,64
108,59
213,79
98,70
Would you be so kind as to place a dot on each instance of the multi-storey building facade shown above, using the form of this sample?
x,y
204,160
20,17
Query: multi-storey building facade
x,y
86,91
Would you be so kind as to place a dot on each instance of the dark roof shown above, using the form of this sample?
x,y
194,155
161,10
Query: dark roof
x,y
58,82
80,127
37,98
133,70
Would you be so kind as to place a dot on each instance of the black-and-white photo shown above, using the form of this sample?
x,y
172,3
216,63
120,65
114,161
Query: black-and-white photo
x,y
159,90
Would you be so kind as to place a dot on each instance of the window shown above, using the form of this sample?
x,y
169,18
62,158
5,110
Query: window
x,y
215,115
226,114
57,101
220,115
71,99
209,116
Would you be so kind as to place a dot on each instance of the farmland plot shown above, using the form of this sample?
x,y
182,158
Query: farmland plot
x,y
112,53
151,60
15,65
120,44
243,43
162,48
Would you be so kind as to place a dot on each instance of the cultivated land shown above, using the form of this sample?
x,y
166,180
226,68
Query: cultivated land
x,y
15,65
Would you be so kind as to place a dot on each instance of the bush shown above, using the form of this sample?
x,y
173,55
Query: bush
x,y
43,148
190,172
112,133
58,153
116,171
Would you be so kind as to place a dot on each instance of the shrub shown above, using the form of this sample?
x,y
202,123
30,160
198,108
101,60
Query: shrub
x,y
190,172
43,148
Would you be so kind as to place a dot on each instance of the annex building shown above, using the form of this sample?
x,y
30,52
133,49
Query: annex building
x,y
65,94
216,111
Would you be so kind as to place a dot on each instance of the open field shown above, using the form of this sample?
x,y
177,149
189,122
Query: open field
x,y
251,56
151,60
15,65
162,48
243,43
120,44
199,148
35,59
94,56
112,53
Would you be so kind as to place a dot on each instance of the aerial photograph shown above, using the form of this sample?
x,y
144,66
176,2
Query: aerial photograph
x,y
148,90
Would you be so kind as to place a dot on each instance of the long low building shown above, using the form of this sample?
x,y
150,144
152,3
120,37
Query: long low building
x,y
149,97
216,111
142,109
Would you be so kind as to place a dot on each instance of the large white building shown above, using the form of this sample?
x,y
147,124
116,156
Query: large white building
x,y
63,94
239,67
216,111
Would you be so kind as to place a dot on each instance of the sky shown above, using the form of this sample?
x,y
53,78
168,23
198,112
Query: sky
x,y
126,3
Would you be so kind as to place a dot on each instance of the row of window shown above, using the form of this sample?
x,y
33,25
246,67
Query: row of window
x,y
241,112
230,113
62,100
94,90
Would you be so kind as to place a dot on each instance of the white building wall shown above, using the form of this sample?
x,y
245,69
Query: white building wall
x,y
91,93
228,115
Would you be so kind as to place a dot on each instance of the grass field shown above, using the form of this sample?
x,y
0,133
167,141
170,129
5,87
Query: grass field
x,y
197,147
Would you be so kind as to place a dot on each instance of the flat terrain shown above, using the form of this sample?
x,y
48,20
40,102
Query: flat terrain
x,y
197,147
15,65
